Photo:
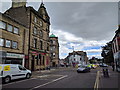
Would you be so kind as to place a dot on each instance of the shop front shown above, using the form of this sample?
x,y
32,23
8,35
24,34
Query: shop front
x,y
39,60
13,58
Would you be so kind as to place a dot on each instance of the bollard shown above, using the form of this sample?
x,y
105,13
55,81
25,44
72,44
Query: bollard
x,y
105,72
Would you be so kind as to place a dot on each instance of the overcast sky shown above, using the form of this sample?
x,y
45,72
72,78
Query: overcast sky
x,y
83,25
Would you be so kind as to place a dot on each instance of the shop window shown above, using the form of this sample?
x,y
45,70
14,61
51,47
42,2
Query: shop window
x,y
16,30
1,42
8,43
9,28
14,45
2,25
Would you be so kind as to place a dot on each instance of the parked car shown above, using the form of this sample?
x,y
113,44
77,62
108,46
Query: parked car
x,y
10,72
62,65
89,65
103,65
83,69
94,66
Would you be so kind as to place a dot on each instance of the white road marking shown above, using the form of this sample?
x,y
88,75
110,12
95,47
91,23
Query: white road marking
x,y
17,81
49,82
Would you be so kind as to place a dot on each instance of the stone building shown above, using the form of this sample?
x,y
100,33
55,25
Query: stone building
x,y
13,37
77,57
116,49
38,24
54,50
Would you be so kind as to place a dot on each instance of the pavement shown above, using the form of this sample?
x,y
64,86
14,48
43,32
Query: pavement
x,y
111,82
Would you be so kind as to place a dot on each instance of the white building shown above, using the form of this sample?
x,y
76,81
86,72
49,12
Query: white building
x,y
77,57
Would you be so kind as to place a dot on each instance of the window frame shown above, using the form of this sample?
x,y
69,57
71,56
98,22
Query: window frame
x,y
41,33
35,30
41,45
9,29
14,30
16,43
6,43
35,19
3,42
3,27
41,23
35,43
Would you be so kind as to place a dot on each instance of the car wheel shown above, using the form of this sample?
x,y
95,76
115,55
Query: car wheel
x,y
28,76
7,79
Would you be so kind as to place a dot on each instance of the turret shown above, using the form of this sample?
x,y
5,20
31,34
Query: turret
x,y
42,11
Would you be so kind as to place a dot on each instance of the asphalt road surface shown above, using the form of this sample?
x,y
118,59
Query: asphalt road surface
x,y
62,78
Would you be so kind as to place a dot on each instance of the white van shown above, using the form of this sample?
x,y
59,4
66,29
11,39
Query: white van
x,y
9,72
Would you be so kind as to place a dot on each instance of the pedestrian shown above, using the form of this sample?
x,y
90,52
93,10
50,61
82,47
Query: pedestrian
x,y
113,65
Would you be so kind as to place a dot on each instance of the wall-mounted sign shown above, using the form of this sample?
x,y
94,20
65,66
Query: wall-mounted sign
x,y
13,55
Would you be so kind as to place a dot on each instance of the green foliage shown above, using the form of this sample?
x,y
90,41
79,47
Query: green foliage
x,y
107,53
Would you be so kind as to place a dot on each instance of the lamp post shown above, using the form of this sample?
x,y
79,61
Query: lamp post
x,y
73,57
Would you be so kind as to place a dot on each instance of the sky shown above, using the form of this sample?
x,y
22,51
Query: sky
x,y
79,26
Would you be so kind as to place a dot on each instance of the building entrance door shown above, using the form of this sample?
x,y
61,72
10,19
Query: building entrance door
x,y
53,64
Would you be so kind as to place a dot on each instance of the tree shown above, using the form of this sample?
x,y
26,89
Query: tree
x,y
107,53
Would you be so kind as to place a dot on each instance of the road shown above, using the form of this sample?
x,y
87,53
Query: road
x,y
62,78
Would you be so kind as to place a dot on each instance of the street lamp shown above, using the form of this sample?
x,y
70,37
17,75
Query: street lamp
x,y
73,57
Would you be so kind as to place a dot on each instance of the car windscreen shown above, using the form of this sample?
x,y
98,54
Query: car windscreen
x,y
82,66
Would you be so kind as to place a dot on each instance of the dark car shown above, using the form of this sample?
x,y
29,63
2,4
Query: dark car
x,y
103,65
83,69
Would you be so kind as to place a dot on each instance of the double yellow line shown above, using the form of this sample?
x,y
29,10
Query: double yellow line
x,y
96,86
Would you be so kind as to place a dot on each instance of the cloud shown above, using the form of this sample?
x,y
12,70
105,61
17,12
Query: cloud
x,y
67,41
91,21
85,25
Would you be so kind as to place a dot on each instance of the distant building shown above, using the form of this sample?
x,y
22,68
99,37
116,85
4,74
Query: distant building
x,y
54,50
77,57
37,40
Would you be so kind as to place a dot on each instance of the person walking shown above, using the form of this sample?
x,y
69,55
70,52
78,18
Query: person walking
x,y
113,65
